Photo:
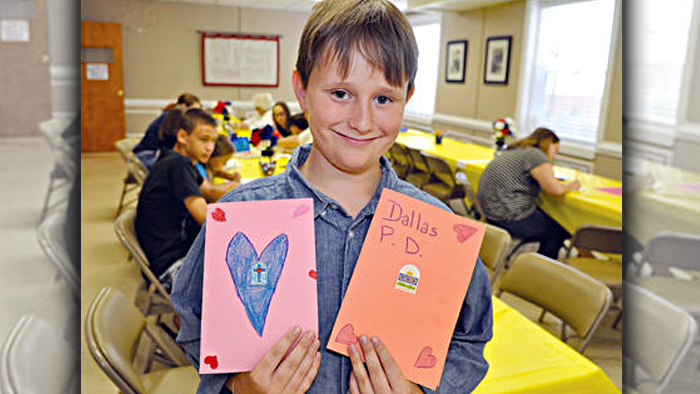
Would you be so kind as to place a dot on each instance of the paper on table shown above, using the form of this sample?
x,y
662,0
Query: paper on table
x,y
259,280
409,284
611,190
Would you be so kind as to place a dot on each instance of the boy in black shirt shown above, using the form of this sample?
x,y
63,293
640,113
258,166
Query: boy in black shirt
x,y
171,208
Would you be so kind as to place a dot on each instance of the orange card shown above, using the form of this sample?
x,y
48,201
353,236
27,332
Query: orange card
x,y
409,284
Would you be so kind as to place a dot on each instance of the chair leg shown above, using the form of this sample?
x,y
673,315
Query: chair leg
x,y
47,200
121,199
618,319
541,318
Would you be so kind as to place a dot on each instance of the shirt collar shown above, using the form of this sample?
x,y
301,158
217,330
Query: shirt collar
x,y
301,187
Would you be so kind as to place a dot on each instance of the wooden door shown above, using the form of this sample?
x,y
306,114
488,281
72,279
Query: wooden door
x,y
101,86
25,83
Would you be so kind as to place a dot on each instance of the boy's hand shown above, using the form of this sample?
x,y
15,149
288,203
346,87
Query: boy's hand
x,y
382,375
276,373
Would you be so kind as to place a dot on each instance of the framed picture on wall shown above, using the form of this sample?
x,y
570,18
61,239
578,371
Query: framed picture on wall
x,y
456,62
497,64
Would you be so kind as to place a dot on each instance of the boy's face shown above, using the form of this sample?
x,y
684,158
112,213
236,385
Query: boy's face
x,y
353,120
200,143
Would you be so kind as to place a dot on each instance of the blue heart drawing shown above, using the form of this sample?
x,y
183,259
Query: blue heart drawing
x,y
255,278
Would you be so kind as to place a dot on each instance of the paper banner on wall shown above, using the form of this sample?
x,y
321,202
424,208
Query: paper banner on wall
x,y
409,284
259,280
14,30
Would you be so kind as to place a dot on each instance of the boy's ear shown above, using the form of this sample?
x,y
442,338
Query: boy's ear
x,y
410,93
182,137
299,90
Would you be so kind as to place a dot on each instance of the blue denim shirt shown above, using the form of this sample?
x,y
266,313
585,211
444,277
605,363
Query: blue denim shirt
x,y
339,239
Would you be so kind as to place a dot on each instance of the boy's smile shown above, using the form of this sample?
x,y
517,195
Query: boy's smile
x,y
355,119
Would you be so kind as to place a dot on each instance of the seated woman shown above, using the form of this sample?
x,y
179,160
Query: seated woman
x,y
510,184
282,119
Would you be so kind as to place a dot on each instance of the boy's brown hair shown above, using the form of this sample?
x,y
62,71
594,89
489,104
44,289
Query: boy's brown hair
x,y
194,117
223,147
374,28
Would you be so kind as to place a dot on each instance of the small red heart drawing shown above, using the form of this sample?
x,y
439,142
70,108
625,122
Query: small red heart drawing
x,y
463,231
218,215
313,274
347,335
426,358
301,209
211,361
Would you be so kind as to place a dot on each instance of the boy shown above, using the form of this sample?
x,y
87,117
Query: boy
x,y
171,208
149,146
354,75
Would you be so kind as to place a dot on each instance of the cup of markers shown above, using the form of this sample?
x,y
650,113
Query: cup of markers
x,y
438,137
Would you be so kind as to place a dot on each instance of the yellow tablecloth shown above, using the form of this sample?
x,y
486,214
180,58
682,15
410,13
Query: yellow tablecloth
x,y
524,358
672,202
589,205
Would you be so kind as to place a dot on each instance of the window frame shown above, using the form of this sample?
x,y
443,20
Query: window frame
x,y
528,59
419,19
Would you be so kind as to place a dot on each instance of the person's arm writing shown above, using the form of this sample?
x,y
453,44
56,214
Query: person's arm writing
x,y
544,175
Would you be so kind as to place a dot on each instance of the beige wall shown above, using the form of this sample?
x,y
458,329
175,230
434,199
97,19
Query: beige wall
x,y
461,98
476,100
162,49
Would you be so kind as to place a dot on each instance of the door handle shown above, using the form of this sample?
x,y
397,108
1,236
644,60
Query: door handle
x,y
120,93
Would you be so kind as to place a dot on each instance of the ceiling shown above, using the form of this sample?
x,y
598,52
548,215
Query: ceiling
x,y
306,5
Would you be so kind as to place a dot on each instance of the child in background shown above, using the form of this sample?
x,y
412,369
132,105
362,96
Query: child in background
x,y
354,74
223,151
171,208
148,148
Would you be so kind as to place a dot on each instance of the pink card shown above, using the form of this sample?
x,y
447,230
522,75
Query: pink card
x,y
691,186
409,284
612,190
259,280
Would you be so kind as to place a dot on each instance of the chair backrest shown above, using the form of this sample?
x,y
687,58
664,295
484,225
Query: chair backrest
x,y
668,249
418,160
139,172
37,359
576,298
658,334
51,238
126,146
113,329
462,179
440,170
597,237
125,229
400,160
494,249
64,156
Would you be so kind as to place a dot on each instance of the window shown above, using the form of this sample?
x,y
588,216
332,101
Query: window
x,y
655,59
568,69
422,104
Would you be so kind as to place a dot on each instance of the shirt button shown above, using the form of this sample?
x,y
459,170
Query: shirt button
x,y
351,234
323,213
333,206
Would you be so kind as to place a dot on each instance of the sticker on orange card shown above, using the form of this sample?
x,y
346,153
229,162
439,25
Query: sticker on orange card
x,y
258,280
409,284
